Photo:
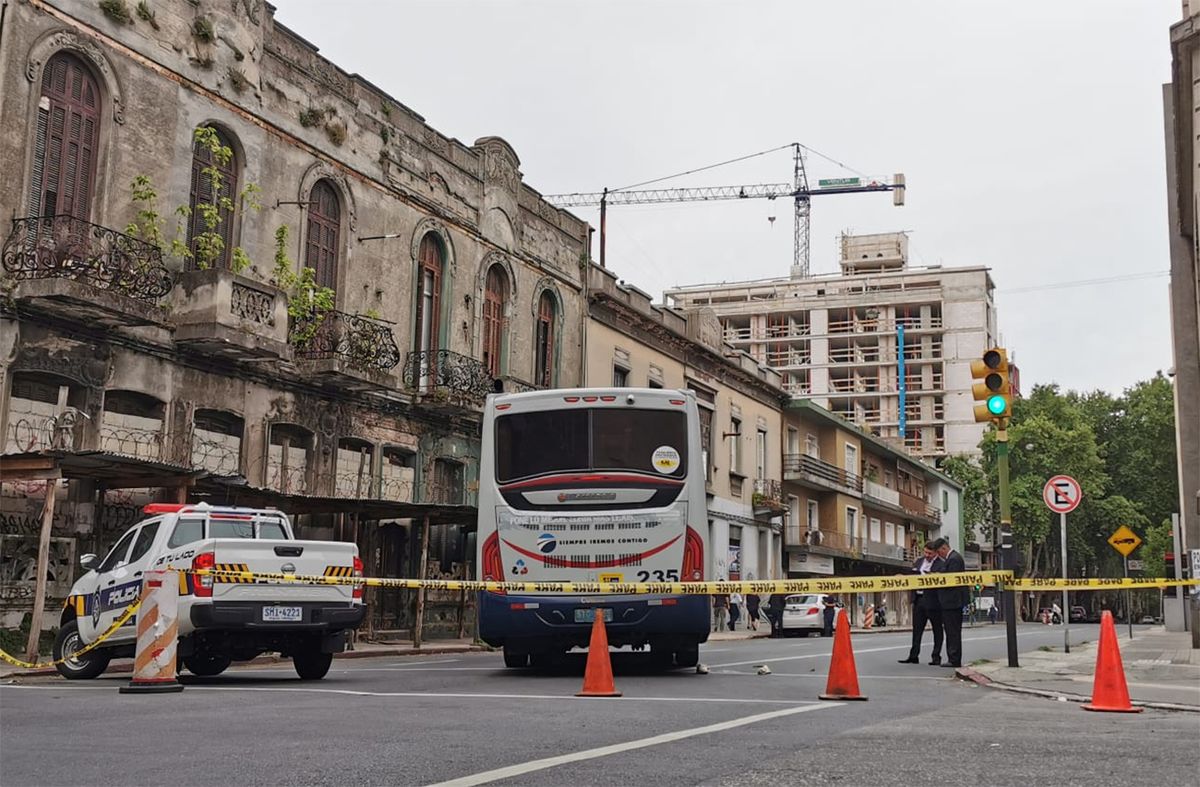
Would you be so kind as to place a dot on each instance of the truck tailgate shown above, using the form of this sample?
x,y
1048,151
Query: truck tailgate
x,y
308,558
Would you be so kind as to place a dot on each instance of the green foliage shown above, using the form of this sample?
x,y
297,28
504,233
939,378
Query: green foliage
x,y
146,13
307,303
202,29
1157,542
976,502
336,132
238,80
208,244
116,10
311,116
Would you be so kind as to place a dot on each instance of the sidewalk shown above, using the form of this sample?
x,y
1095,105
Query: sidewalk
x,y
1161,669
361,650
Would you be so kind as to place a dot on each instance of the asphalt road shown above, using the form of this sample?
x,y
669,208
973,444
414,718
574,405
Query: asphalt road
x,y
464,719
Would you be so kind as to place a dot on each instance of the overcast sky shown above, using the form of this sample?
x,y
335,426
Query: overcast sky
x,y
1030,132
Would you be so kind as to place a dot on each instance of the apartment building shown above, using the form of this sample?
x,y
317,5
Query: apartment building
x,y
135,373
884,344
859,506
631,342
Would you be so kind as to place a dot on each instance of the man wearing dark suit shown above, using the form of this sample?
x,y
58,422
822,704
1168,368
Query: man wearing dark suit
x,y
927,610
952,600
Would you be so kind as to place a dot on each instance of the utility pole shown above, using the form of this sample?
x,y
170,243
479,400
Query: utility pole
x,y
1008,560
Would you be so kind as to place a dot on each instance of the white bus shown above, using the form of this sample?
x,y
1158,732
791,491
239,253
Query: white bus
x,y
599,485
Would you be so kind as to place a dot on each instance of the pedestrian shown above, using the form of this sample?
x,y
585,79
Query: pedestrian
x,y
926,609
735,609
992,614
952,600
831,608
1056,613
753,602
881,614
720,604
775,605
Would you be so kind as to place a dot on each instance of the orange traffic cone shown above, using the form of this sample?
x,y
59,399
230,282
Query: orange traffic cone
x,y
1109,691
843,676
598,677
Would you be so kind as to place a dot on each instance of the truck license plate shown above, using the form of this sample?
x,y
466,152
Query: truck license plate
x,y
283,614
589,615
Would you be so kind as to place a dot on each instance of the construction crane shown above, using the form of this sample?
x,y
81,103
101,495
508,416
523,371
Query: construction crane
x,y
798,190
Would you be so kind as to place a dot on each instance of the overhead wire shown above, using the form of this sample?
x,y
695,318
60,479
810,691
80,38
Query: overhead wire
x,y
1085,282
702,169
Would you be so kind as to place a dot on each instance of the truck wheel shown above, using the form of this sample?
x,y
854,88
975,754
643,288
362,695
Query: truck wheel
x,y
514,660
84,667
206,665
311,664
688,657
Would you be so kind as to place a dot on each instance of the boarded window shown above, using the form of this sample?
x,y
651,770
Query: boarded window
x,y
66,140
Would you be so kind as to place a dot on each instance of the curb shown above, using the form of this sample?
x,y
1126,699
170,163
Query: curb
x,y
979,679
118,669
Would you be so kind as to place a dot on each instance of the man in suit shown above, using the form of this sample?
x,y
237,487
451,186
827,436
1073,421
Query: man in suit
x,y
927,610
952,600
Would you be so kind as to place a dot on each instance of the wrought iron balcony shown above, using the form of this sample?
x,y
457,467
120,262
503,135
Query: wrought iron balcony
x,y
64,247
434,371
768,495
363,342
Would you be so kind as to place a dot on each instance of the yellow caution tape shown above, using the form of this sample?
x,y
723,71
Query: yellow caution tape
x,y
120,621
830,585
1118,583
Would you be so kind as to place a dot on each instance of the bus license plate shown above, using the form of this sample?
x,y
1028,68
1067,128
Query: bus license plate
x,y
283,614
589,615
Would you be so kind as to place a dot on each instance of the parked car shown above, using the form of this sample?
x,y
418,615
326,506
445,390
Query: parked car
x,y
1047,612
804,613
1078,615
1149,619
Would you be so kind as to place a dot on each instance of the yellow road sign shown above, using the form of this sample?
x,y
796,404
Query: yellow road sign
x,y
1124,540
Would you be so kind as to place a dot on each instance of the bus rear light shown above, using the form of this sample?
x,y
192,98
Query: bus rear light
x,y
608,398
523,606
358,572
678,401
503,406
571,399
590,398
204,584
662,602
492,567
693,556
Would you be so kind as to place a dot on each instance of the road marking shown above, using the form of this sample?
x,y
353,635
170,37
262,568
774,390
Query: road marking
x,y
822,676
826,655
420,694
520,769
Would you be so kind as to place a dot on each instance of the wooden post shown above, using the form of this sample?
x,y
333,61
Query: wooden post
x,y
43,565
418,623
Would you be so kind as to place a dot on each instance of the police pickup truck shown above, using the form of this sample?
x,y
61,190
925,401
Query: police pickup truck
x,y
221,620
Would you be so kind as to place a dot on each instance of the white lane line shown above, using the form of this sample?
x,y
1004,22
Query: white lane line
x,y
822,676
520,769
422,663
826,655
429,695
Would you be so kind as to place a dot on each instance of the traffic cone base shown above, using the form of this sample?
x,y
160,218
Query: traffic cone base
x,y
598,677
843,675
1110,693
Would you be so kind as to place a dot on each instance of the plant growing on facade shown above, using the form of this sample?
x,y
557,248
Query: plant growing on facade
x,y
308,304
208,244
116,10
311,116
202,30
238,80
336,132
146,13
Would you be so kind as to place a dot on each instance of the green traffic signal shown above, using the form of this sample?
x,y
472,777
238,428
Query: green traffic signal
x,y
996,405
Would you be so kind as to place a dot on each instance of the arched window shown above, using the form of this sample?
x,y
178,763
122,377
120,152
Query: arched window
x,y
202,194
543,373
429,284
324,223
66,140
494,297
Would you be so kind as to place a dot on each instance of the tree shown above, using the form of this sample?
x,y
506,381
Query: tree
x,y
976,500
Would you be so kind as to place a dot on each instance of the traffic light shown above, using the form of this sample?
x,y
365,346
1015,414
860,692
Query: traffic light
x,y
993,387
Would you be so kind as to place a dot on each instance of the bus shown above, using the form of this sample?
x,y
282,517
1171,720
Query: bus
x,y
595,485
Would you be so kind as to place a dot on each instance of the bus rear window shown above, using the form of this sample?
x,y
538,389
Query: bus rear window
x,y
555,441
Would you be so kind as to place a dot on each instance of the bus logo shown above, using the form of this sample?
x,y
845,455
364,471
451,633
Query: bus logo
x,y
578,497
546,543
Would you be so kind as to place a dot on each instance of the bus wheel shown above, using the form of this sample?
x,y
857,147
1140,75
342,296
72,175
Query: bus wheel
x,y
688,656
515,660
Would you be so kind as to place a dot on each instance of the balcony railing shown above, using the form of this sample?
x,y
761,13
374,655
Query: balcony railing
x,y
64,247
831,539
811,467
450,372
768,494
881,492
362,341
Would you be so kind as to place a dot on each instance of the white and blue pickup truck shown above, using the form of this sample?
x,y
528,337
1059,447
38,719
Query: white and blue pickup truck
x,y
221,620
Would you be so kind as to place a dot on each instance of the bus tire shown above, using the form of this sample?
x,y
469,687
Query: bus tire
x,y
688,656
515,660
84,667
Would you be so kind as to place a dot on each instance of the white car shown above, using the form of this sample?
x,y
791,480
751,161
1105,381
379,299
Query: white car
x,y
220,620
804,612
